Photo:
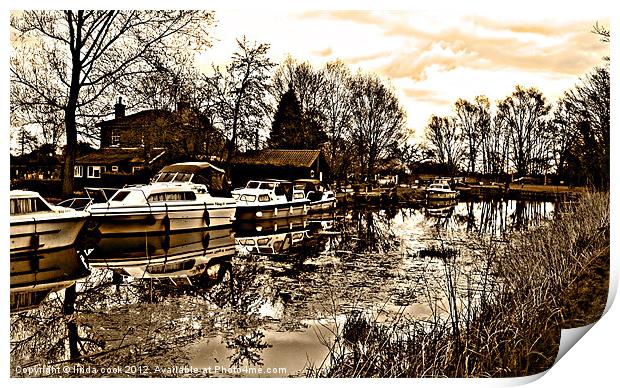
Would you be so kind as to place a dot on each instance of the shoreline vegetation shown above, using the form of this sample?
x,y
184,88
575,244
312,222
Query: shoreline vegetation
x,y
549,278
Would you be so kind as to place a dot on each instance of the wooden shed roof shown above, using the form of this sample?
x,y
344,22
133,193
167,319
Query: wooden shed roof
x,y
116,155
274,157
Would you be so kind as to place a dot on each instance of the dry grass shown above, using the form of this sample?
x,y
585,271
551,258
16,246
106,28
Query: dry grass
x,y
553,277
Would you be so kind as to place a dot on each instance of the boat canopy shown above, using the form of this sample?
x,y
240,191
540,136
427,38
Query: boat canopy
x,y
197,172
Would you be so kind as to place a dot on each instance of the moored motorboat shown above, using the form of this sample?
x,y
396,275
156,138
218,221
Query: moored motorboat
x,y
38,225
321,199
173,201
440,191
269,199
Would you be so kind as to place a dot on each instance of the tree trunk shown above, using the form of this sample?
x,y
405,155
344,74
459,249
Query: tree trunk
x,y
71,132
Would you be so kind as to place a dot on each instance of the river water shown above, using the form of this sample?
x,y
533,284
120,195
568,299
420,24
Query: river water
x,y
251,300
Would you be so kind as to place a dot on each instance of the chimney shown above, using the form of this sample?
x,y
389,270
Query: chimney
x,y
119,109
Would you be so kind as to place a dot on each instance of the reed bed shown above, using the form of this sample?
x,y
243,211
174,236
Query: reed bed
x,y
535,284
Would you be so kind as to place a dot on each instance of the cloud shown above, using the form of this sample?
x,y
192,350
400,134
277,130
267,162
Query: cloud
x,y
431,40
326,52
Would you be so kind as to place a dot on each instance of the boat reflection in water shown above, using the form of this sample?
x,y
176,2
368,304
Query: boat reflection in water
x,y
271,237
174,255
34,275
443,209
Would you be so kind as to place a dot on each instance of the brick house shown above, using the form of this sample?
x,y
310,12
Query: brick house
x,y
142,142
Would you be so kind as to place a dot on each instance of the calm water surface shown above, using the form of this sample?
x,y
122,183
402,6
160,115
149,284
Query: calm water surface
x,y
243,301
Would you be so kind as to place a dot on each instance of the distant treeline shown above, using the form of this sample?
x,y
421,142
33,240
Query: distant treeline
x,y
525,136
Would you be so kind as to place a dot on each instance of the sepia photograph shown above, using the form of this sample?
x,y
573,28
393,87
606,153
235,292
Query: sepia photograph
x,y
279,191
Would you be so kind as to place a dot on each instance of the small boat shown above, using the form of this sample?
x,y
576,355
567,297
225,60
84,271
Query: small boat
x,y
320,198
440,191
38,225
173,201
269,199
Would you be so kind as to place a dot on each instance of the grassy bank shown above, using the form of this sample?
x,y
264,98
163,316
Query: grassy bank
x,y
550,278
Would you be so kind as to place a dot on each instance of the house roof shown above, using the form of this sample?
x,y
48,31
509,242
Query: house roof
x,y
117,155
132,118
288,158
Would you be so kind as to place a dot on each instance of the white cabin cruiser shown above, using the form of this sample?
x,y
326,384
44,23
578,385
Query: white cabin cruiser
x,y
320,198
173,201
38,225
440,191
269,199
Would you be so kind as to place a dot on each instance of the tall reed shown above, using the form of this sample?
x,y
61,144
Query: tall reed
x,y
549,278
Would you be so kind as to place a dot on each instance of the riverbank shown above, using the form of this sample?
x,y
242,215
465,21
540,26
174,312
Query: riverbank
x,y
551,277
411,196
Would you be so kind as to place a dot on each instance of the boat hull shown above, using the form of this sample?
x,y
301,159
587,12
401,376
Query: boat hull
x,y
143,219
32,233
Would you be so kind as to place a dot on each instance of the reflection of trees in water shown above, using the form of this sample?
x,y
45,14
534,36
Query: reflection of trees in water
x,y
247,348
495,217
368,231
103,322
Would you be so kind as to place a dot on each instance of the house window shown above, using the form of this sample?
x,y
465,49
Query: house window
x,y
115,138
114,168
94,172
78,171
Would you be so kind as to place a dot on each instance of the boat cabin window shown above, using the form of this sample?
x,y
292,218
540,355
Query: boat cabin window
x,y
298,195
28,205
263,198
252,185
120,195
280,190
174,196
248,198
267,186
183,177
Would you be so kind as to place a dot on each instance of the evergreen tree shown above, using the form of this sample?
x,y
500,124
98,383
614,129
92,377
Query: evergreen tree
x,y
294,129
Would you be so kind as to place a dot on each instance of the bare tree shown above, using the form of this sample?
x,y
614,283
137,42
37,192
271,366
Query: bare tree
x,y
587,105
475,121
240,95
522,115
308,83
72,61
336,110
378,120
446,142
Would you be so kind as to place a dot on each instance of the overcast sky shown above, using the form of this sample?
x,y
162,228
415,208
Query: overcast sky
x,y
433,53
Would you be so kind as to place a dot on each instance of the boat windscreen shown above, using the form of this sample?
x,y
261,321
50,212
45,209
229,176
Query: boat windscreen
x,y
164,177
120,195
